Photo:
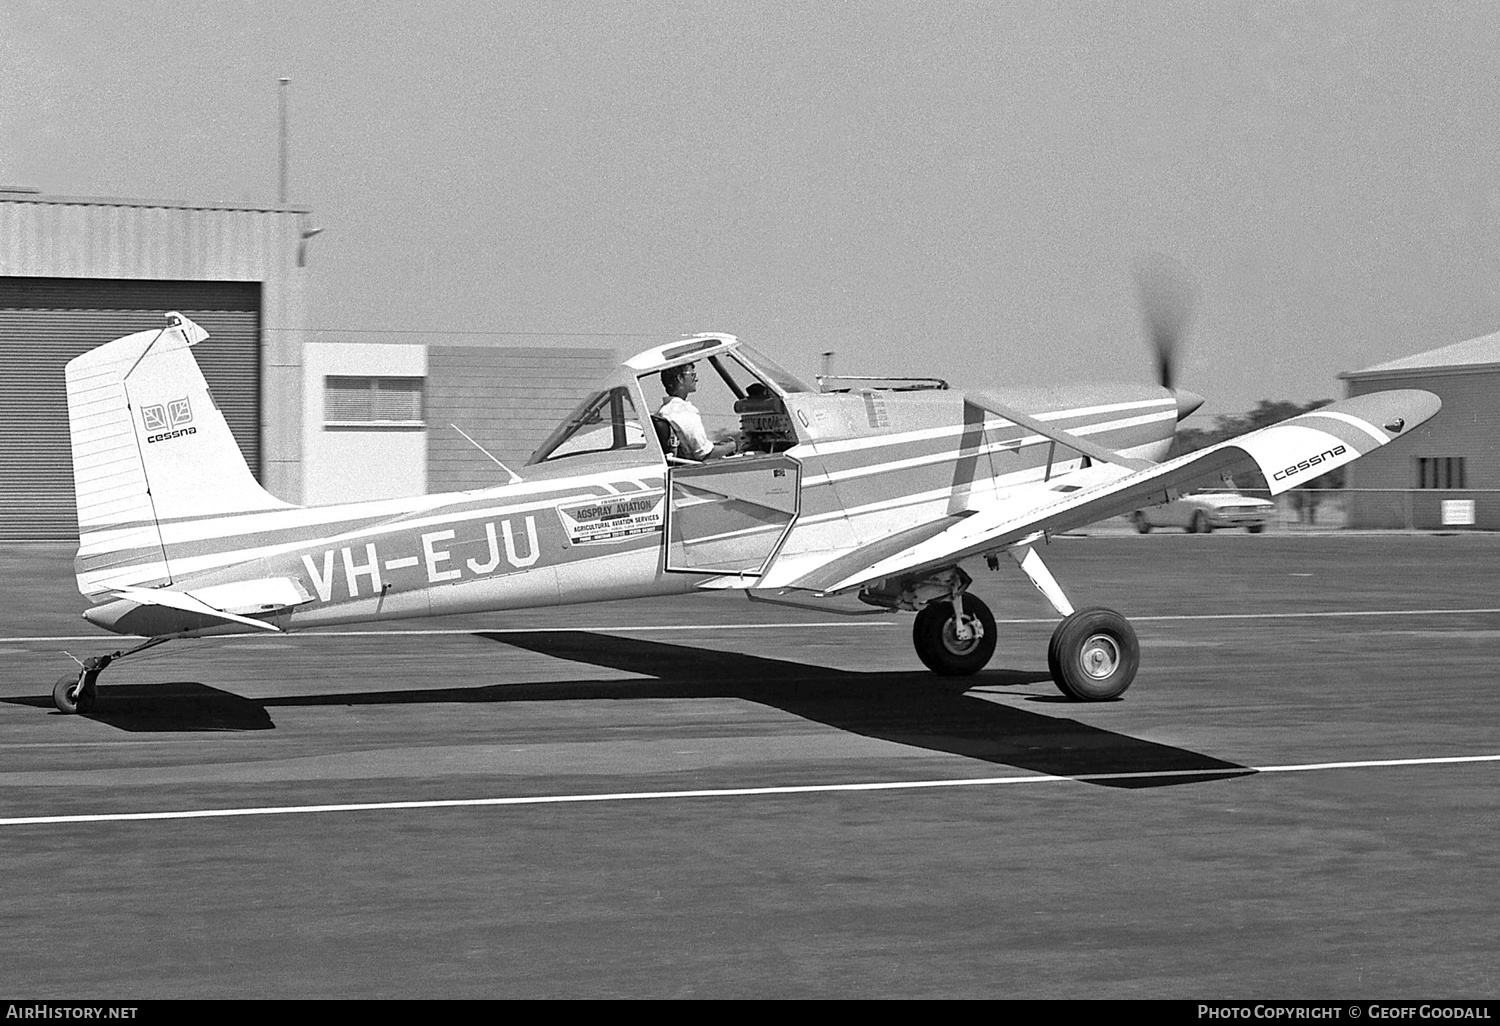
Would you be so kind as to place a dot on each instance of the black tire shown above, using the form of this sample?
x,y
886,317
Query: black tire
x,y
1200,524
937,643
1256,528
1141,524
66,701
1093,655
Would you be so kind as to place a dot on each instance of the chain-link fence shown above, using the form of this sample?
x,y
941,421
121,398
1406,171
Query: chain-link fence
x,y
1387,509
1419,509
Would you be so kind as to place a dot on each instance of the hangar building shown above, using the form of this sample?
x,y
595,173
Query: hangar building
x,y
322,416
1445,473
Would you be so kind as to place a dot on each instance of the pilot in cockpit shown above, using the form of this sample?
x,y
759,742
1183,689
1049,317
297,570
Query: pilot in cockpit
x,y
687,423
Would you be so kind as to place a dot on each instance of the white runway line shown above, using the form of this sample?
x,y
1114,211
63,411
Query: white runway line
x,y
1320,615
740,792
855,621
455,631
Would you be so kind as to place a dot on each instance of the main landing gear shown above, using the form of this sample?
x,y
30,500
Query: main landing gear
x,y
954,638
1093,654
77,692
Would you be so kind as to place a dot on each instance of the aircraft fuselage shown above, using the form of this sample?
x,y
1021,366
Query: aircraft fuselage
x,y
623,524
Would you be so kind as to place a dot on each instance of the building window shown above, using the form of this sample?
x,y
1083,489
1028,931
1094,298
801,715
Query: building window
x,y
1441,472
370,402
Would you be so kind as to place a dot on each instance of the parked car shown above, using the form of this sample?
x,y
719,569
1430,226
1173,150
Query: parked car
x,y
1201,513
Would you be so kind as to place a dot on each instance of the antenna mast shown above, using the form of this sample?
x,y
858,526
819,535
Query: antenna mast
x,y
281,192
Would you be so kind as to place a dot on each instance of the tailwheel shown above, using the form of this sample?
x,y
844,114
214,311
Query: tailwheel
x,y
1093,655
944,648
75,692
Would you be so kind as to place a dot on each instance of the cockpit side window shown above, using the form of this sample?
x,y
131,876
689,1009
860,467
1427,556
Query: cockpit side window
x,y
735,400
604,422
717,386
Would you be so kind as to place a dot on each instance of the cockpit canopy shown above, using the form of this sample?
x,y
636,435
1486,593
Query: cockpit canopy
x,y
743,397
709,347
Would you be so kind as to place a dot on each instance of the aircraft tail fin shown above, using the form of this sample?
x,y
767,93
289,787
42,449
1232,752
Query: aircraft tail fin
x,y
149,447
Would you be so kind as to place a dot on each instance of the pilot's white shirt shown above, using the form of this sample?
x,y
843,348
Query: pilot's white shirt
x,y
689,425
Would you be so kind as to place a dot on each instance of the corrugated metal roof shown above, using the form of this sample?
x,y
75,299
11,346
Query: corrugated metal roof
x,y
18,194
1483,351
141,240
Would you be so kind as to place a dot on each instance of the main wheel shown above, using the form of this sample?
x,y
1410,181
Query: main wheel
x,y
1200,524
1141,523
1093,655
70,697
1256,528
938,645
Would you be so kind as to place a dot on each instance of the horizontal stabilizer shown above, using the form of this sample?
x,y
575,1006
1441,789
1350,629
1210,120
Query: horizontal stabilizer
x,y
265,595
188,603
156,612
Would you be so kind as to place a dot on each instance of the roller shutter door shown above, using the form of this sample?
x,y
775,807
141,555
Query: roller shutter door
x,y
45,322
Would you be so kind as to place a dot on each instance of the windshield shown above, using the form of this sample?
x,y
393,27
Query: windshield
x,y
773,371
603,422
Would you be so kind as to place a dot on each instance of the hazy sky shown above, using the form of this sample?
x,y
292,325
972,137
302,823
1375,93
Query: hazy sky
x,y
958,189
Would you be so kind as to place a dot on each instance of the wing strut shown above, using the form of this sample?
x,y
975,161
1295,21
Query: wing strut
x,y
1082,445
1031,564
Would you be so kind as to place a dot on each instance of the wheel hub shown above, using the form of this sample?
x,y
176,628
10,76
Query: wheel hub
x,y
1100,656
962,646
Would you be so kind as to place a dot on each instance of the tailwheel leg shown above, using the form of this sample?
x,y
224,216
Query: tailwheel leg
x,y
77,693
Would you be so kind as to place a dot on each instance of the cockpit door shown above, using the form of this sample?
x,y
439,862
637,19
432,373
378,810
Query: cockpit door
x,y
730,515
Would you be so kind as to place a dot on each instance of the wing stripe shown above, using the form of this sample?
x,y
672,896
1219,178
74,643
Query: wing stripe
x,y
1380,437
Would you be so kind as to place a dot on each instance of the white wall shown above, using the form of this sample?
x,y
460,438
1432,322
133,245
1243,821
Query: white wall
x,y
350,464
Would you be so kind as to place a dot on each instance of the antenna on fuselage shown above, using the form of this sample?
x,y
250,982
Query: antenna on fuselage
x,y
827,370
514,477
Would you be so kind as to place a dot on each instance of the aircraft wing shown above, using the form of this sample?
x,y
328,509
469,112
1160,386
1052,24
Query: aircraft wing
x,y
1288,454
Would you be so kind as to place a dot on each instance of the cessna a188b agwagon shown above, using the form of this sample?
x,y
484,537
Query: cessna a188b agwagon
x,y
884,489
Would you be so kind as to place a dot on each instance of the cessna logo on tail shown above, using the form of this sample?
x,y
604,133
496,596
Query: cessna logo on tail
x,y
1309,463
169,419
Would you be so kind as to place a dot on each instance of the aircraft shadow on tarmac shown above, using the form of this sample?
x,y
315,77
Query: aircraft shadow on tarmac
x,y
169,706
909,707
